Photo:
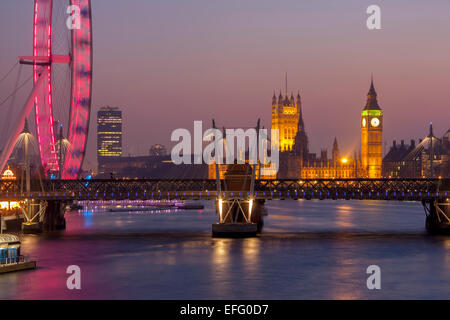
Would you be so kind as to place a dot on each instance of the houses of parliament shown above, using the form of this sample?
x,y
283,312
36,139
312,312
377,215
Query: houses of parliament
x,y
297,162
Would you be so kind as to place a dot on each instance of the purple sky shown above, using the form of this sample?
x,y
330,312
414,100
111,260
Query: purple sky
x,y
166,63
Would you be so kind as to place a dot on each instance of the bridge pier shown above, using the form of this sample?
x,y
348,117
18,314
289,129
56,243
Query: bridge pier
x,y
50,218
54,216
438,213
240,215
32,223
238,218
437,216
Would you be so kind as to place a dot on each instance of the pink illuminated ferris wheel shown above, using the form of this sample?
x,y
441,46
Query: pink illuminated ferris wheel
x,y
62,69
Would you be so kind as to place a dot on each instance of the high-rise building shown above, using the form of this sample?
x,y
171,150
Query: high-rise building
x,y
371,136
109,136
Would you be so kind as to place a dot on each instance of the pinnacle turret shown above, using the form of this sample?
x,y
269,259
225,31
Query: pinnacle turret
x,y
372,103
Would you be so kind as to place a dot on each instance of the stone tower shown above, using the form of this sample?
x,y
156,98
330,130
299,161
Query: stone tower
x,y
371,136
336,154
285,117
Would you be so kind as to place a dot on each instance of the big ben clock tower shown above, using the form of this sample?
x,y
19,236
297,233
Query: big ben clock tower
x,y
371,136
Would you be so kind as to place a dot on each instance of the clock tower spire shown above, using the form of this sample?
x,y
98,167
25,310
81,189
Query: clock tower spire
x,y
371,135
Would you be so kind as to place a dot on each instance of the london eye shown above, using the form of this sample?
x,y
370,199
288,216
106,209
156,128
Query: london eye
x,y
62,77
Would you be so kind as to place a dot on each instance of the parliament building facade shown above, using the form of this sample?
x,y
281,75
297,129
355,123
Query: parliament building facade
x,y
297,162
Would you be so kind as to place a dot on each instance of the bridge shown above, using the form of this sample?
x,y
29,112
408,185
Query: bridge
x,y
239,206
206,189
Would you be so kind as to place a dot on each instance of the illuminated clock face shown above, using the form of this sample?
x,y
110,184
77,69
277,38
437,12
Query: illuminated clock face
x,y
375,122
364,122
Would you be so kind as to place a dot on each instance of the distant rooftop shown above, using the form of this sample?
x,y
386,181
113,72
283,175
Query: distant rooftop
x,y
108,108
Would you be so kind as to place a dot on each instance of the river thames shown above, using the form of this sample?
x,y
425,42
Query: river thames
x,y
308,250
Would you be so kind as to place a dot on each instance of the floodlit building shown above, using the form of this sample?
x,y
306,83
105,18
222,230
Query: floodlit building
x,y
109,136
297,162
430,158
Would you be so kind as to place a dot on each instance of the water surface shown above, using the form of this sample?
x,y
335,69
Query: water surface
x,y
308,250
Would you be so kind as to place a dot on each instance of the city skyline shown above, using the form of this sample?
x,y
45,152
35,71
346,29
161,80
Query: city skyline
x,y
211,151
326,49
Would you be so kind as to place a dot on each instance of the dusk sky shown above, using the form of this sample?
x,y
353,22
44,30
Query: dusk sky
x,y
166,63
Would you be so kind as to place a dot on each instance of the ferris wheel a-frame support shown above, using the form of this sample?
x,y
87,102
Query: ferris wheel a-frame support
x,y
18,126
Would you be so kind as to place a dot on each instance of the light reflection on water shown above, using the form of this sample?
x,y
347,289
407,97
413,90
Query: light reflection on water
x,y
309,249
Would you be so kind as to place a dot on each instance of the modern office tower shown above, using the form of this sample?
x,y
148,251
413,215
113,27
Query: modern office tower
x,y
109,136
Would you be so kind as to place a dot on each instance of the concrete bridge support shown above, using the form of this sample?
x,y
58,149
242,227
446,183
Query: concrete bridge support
x,y
54,216
438,212
239,215
48,217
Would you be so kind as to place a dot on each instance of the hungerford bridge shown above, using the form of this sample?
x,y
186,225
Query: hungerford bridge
x,y
239,197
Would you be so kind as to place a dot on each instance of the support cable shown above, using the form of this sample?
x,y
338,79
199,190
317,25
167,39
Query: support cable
x,y
9,72
15,91
6,126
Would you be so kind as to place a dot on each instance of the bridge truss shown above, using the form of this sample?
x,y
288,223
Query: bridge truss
x,y
363,189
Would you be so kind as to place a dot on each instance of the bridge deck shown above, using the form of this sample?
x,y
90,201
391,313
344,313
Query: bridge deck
x,y
363,189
